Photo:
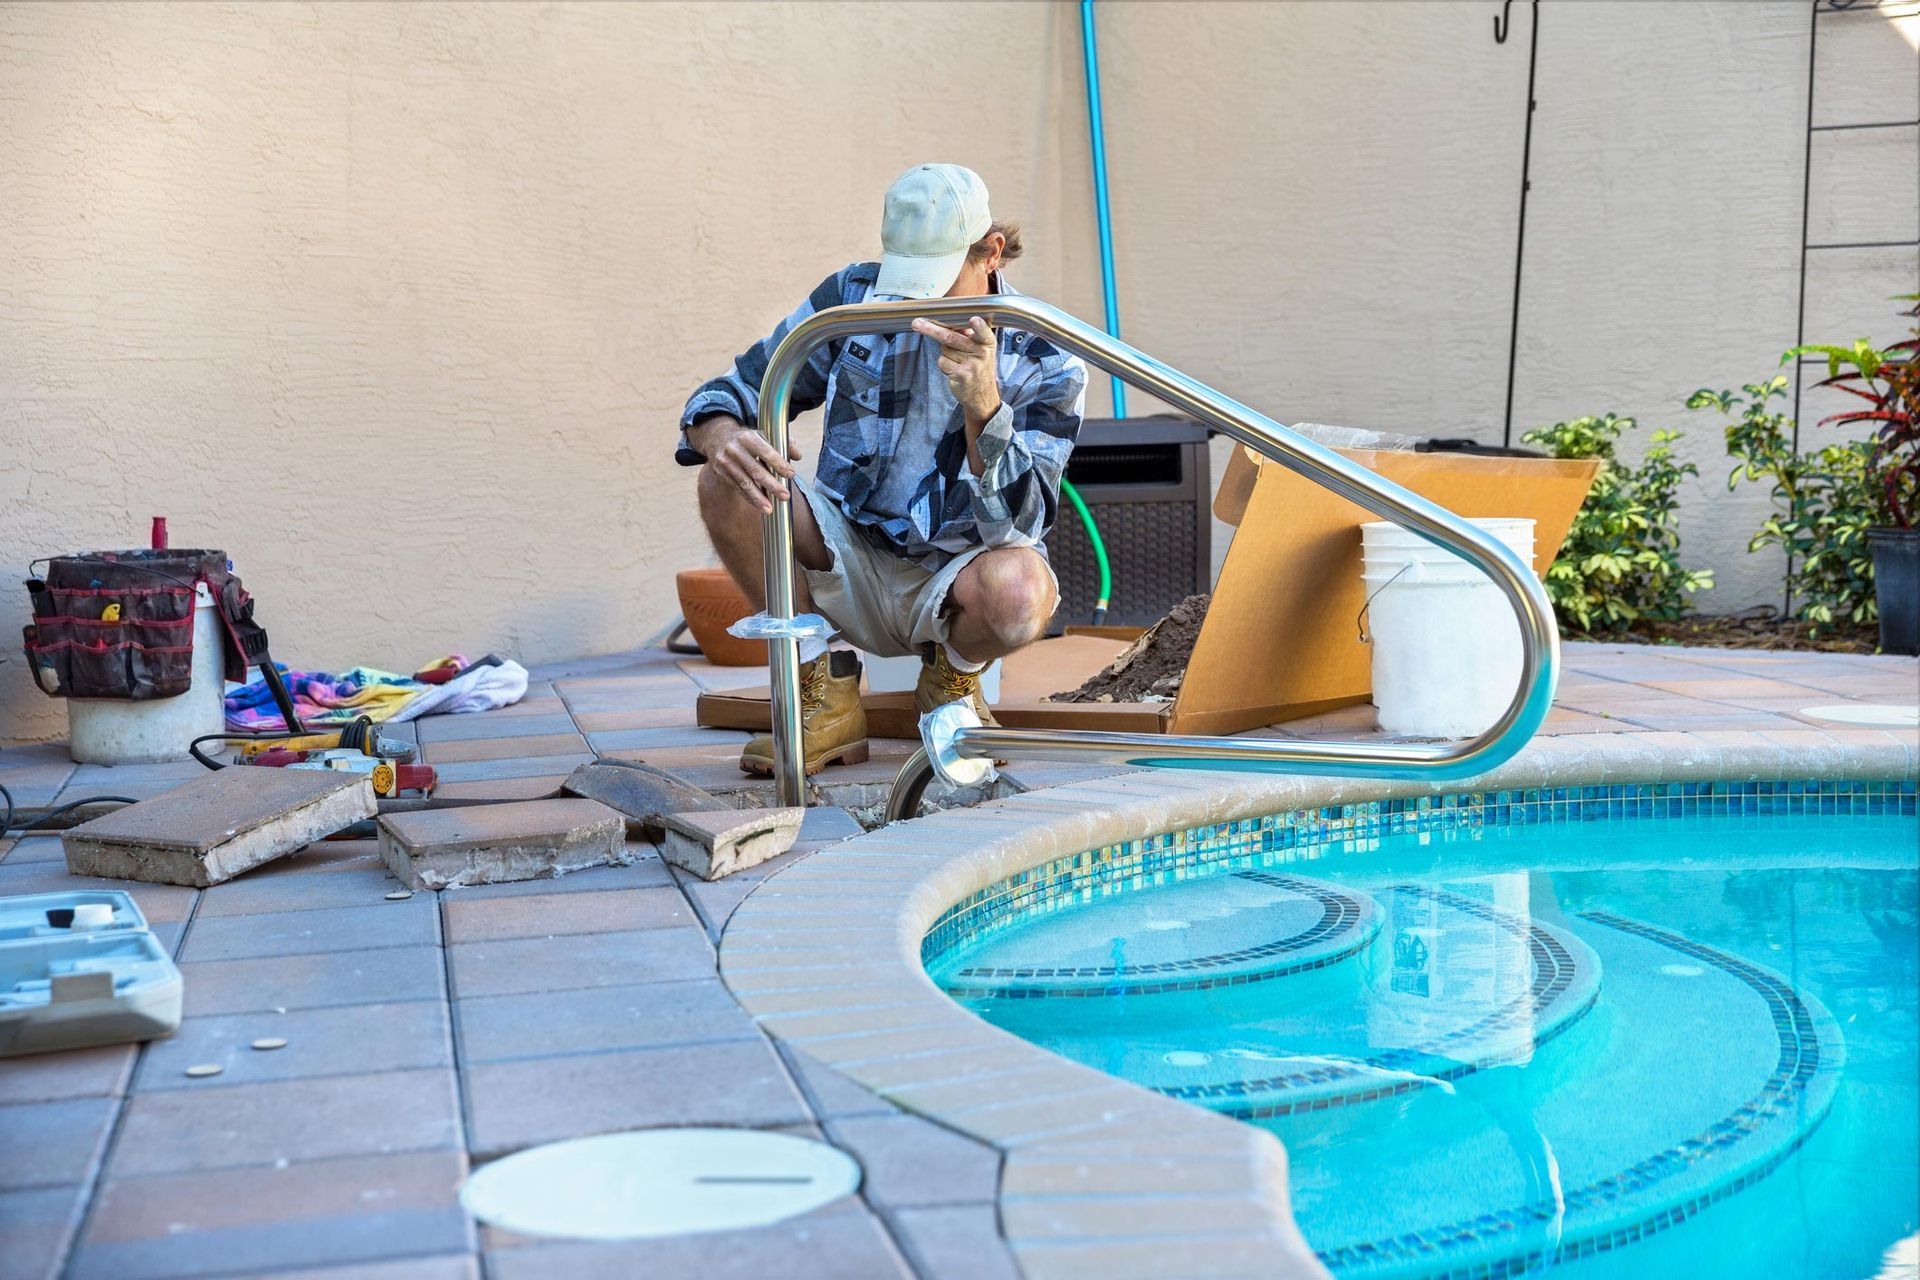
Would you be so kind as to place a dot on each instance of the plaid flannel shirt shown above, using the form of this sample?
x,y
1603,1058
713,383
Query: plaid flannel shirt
x,y
1023,447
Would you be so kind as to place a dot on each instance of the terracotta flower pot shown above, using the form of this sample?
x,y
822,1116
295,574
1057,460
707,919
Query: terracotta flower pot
x,y
712,603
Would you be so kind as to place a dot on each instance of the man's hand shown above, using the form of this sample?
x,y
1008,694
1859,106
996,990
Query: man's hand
x,y
743,456
969,360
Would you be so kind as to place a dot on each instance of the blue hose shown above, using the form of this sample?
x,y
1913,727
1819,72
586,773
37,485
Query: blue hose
x,y
1098,137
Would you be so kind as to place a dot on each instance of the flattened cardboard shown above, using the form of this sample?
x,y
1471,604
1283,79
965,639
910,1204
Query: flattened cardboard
x,y
1282,639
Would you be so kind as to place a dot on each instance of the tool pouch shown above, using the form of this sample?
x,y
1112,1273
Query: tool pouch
x,y
117,624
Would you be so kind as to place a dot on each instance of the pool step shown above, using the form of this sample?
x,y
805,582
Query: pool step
x,y
1619,1154
1464,985
1215,932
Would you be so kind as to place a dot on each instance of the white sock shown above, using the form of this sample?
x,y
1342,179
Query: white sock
x,y
811,648
959,663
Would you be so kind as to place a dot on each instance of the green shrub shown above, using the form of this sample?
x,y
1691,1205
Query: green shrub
x,y
1621,560
1824,501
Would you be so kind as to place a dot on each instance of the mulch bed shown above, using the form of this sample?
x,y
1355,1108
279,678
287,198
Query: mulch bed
x,y
1761,628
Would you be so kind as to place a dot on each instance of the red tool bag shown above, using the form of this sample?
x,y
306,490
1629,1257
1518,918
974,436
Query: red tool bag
x,y
119,624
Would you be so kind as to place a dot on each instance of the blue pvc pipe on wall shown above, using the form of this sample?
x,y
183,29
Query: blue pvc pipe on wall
x,y
1098,137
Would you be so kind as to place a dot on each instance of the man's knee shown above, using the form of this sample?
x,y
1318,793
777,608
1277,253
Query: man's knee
x,y
722,504
1012,593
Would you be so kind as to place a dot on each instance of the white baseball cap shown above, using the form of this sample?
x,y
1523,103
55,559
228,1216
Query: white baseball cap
x,y
934,214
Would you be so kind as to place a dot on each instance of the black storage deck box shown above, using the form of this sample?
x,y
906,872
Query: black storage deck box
x,y
1146,482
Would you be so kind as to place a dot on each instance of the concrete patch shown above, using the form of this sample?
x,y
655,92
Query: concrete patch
x,y
218,825
487,844
719,842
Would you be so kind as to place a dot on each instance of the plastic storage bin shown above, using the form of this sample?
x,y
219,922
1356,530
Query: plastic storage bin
x,y
79,969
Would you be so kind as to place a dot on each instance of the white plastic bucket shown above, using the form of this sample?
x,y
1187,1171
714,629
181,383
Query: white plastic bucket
x,y
899,675
115,731
1446,643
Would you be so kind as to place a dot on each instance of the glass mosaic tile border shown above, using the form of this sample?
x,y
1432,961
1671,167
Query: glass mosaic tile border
x,y
1178,855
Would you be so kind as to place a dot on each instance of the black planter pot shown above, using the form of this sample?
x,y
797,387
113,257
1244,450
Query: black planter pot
x,y
1896,579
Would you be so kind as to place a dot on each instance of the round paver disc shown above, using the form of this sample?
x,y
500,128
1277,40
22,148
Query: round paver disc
x,y
659,1182
205,1069
270,1042
1880,714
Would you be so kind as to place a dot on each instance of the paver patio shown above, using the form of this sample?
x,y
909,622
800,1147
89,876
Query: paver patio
x,y
428,1034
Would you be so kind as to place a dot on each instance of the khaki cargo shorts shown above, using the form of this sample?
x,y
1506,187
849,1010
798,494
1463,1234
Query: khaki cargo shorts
x,y
882,603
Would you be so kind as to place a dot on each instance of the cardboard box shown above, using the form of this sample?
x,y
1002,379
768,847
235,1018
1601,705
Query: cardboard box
x,y
1281,639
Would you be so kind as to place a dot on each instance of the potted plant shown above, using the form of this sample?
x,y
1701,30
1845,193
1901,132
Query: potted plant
x,y
1889,383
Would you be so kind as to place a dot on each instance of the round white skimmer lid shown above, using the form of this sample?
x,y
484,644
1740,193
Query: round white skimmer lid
x,y
1877,714
658,1182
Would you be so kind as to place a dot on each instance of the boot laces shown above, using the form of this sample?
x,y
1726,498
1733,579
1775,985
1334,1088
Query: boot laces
x,y
956,685
813,688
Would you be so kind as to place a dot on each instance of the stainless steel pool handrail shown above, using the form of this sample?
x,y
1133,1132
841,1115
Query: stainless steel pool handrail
x,y
1539,637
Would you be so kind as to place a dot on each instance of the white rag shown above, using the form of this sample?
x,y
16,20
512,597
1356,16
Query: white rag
x,y
481,689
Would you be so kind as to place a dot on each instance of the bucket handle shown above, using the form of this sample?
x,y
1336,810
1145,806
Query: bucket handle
x,y
1360,619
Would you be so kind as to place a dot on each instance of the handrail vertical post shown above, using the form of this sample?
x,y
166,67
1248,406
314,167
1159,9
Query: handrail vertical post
x,y
783,653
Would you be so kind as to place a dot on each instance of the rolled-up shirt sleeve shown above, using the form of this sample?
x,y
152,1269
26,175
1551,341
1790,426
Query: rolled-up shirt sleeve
x,y
737,391
1023,450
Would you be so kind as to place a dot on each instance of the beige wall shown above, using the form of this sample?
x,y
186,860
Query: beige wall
x,y
397,303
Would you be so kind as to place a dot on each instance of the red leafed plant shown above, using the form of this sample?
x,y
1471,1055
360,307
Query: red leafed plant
x,y
1889,382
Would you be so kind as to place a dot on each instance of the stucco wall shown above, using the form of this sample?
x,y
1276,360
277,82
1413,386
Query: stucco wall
x,y
397,303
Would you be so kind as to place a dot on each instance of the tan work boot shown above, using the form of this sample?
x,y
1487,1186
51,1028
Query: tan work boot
x,y
940,684
833,724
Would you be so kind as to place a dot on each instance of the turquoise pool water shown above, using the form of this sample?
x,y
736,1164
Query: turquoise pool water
x,y
1610,1046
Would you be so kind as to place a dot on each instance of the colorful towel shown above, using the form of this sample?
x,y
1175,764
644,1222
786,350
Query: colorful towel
x,y
321,698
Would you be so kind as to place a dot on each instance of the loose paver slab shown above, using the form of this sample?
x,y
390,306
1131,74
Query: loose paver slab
x,y
720,842
214,827
641,792
487,844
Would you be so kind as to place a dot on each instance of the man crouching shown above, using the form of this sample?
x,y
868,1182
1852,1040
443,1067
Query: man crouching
x,y
939,471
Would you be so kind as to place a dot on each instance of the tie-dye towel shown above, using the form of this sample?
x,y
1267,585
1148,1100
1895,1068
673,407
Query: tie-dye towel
x,y
324,699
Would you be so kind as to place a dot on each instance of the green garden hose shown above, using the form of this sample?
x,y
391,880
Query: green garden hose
x,y
1099,550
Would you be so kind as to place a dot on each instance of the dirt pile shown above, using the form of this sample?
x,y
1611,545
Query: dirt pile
x,y
1151,668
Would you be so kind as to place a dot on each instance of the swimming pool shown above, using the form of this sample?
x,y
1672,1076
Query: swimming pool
x,y
1646,1031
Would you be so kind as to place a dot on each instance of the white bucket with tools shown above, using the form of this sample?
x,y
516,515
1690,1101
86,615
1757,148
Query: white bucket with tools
x,y
1446,643
115,731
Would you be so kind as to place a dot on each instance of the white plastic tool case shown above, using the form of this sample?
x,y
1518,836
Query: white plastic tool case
x,y
81,969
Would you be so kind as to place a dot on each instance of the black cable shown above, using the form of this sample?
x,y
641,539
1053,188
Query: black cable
x,y
1500,29
193,748
674,644
53,813
1800,312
